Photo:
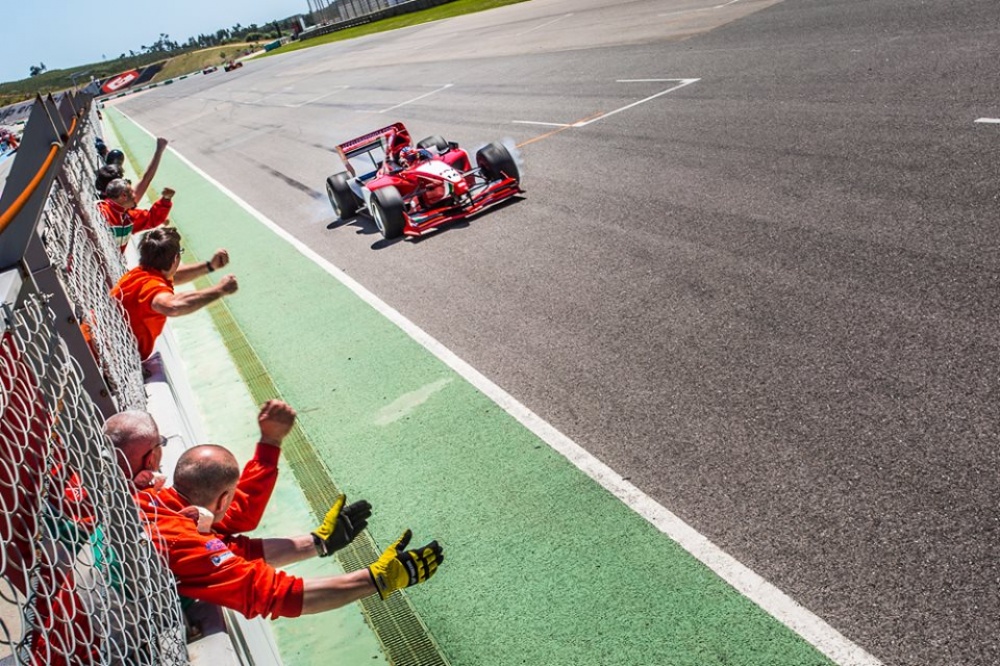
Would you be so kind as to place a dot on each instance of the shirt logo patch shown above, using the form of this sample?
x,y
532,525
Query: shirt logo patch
x,y
213,545
221,557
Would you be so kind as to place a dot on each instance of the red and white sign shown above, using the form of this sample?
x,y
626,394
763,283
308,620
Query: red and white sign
x,y
119,81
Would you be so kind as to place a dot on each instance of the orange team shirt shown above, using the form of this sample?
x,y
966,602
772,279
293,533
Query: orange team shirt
x,y
223,567
136,291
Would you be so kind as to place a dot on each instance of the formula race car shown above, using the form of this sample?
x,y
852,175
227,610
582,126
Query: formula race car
x,y
231,65
410,191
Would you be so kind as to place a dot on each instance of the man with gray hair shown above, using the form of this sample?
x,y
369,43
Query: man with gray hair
x,y
139,445
118,208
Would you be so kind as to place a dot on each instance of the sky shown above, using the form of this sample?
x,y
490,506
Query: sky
x,y
67,33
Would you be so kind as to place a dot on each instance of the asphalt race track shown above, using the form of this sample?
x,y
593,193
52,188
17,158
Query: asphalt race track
x,y
767,297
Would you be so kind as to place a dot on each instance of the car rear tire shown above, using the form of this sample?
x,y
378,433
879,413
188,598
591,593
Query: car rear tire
x,y
436,142
341,197
497,163
387,210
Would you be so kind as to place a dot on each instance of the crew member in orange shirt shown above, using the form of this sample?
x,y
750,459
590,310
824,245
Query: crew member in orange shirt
x,y
147,291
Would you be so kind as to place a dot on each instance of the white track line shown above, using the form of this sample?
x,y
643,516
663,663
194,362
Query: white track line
x,y
316,99
699,9
539,27
990,121
683,82
584,123
782,607
410,101
535,122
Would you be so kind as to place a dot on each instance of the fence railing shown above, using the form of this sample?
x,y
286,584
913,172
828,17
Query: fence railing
x,y
80,580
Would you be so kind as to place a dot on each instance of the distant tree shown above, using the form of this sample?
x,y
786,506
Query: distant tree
x,y
35,70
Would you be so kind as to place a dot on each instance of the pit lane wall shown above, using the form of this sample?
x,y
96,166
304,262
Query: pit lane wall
x,y
82,582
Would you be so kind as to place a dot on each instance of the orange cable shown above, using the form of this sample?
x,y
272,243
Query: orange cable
x,y
22,198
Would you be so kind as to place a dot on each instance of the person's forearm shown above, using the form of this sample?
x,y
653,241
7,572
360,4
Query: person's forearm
x,y
323,594
191,301
188,272
279,552
147,176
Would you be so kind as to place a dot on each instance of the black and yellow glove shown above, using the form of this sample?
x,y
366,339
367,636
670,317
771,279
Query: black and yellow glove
x,y
399,568
341,525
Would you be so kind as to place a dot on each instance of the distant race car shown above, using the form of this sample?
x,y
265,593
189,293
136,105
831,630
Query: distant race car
x,y
209,70
232,64
409,191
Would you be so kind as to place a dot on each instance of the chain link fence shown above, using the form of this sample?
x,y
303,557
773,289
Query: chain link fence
x,y
89,263
80,579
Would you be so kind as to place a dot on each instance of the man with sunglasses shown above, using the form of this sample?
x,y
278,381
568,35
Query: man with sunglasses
x,y
147,291
138,445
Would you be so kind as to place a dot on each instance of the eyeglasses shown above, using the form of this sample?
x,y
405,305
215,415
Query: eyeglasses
x,y
159,445
180,251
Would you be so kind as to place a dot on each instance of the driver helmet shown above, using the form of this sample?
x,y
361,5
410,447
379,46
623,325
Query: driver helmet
x,y
407,156
115,157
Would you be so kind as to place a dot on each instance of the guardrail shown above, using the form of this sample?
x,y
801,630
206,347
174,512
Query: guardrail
x,y
81,581
352,13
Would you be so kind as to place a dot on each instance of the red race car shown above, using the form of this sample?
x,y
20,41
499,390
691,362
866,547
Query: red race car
x,y
411,190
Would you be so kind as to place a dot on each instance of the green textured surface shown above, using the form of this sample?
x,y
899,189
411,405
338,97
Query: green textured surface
x,y
228,411
543,566
403,637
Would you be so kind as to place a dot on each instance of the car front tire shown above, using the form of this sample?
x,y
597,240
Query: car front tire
x,y
496,162
387,210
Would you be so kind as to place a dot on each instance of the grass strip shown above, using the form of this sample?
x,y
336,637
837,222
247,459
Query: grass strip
x,y
449,10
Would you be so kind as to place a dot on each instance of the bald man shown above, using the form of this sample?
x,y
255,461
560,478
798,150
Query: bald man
x,y
238,572
139,446
212,501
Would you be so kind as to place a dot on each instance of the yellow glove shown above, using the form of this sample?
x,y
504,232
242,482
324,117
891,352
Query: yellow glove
x,y
399,568
341,525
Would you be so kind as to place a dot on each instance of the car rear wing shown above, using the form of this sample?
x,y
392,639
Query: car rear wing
x,y
384,138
